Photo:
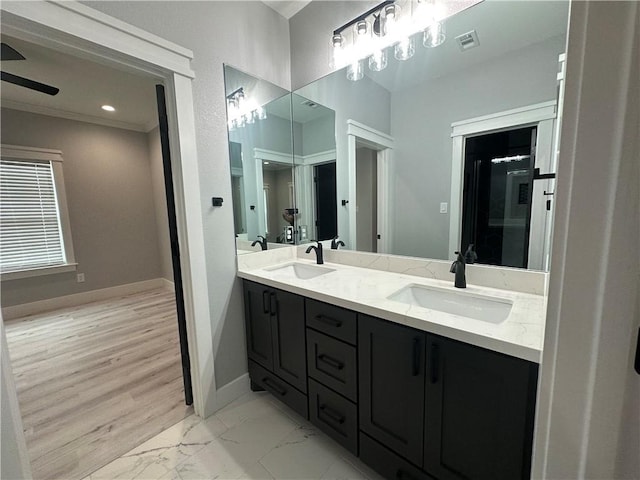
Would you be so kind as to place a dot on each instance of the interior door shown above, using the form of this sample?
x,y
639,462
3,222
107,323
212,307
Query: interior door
x,y
175,246
498,186
326,201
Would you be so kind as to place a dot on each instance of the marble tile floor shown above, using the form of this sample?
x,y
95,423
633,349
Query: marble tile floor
x,y
255,437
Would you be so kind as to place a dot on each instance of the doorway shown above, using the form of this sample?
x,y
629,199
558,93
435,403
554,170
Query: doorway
x,y
498,184
324,179
366,199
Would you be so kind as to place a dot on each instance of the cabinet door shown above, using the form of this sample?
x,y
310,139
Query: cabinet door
x,y
258,322
391,385
288,331
480,411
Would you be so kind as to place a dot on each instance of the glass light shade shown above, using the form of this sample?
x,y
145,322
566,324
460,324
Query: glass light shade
x,y
251,117
405,49
361,27
391,14
378,60
355,71
337,51
242,121
262,113
434,35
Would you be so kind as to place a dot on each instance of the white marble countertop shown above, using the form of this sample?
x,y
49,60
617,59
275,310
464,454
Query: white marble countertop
x,y
366,291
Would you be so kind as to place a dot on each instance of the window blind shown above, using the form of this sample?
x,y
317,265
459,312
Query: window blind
x,y
30,232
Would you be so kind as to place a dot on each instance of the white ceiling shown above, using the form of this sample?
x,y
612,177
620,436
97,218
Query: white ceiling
x,y
84,87
287,8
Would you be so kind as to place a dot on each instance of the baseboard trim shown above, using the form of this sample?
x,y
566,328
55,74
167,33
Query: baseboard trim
x,y
17,311
168,284
232,390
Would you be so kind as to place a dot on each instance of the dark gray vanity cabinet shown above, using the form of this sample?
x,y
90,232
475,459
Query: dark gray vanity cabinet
x,y
479,413
392,379
275,332
333,372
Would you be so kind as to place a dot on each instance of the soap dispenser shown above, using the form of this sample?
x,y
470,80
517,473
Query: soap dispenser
x,y
470,256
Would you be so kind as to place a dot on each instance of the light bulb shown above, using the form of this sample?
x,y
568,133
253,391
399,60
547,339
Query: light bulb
x,y
434,35
378,60
355,71
405,49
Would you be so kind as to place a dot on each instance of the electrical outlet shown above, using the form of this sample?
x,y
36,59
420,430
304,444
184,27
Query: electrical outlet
x,y
444,207
80,277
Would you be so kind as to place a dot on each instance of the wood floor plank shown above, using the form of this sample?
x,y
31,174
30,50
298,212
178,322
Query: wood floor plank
x,y
97,380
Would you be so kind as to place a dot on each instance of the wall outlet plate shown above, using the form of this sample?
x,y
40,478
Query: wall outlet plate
x,y
80,277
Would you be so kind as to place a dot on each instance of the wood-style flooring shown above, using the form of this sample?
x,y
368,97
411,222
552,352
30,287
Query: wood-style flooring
x,y
97,380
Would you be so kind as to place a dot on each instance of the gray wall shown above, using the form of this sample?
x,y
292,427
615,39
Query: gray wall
x,y
421,120
111,205
319,135
255,39
160,203
366,199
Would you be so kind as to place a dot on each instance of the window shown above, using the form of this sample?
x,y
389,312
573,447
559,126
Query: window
x,y
34,228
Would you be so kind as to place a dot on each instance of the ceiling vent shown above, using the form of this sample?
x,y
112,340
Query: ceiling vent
x,y
468,40
310,104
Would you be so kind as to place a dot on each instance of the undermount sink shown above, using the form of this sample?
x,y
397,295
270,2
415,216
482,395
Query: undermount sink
x,y
300,271
463,304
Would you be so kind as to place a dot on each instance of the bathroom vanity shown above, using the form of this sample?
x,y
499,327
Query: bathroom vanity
x,y
415,392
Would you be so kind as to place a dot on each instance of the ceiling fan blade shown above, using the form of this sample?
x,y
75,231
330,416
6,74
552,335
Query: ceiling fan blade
x,y
9,53
32,84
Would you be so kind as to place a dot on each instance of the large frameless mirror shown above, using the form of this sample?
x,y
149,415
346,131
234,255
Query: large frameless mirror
x,y
261,157
452,146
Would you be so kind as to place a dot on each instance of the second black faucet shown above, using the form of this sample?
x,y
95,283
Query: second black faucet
x,y
318,249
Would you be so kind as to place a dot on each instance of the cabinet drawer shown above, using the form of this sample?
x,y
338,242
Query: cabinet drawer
x,y
332,363
334,415
387,463
334,321
279,388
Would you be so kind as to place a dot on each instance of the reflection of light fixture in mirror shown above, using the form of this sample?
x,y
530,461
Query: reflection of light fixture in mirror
x,y
378,60
405,49
355,71
242,110
386,25
434,35
265,163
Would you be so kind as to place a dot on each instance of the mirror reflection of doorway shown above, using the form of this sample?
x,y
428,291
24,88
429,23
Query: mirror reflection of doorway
x,y
324,177
366,199
498,184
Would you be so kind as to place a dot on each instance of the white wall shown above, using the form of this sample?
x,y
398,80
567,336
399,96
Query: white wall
x,y
255,39
111,205
421,120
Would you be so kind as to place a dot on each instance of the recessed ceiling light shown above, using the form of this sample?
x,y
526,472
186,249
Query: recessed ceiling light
x,y
265,163
108,108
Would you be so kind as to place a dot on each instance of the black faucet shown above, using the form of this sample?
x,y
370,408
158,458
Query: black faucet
x,y
263,242
458,267
318,249
335,245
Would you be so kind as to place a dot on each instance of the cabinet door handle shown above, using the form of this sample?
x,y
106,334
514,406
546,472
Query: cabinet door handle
x,y
273,304
329,321
435,360
417,351
402,475
332,414
265,301
271,383
332,362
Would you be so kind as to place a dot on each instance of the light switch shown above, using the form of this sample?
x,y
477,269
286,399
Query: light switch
x,y
444,207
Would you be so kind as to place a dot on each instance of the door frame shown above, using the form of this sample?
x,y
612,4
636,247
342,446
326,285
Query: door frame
x,y
358,133
82,31
541,115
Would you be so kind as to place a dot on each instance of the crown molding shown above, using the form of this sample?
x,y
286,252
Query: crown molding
x,y
80,117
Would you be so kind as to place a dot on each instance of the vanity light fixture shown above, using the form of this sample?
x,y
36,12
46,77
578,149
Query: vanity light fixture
x,y
387,25
242,110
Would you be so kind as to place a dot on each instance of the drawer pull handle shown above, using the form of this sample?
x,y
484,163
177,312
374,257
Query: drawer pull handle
x,y
332,414
329,321
332,362
265,301
274,386
402,475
